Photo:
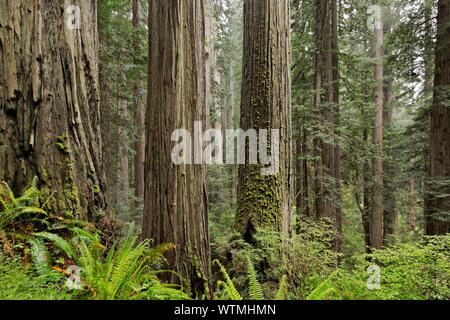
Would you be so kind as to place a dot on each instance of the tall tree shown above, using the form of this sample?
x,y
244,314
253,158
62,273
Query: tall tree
x,y
376,222
176,204
49,103
389,183
326,101
439,170
336,170
266,201
138,113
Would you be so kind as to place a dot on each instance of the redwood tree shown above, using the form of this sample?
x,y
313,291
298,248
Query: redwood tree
x,y
49,103
176,204
266,201
376,221
439,171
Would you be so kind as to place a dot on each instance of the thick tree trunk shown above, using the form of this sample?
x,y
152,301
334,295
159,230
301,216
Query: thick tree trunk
x,y
376,222
439,175
49,104
266,201
428,93
176,204
138,117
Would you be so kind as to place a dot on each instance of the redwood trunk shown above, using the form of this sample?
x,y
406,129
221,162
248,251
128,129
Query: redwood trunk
x,y
176,204
49,104
266,201
138,117
439,175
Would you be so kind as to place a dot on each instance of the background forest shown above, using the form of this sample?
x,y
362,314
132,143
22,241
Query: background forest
x,y
92,207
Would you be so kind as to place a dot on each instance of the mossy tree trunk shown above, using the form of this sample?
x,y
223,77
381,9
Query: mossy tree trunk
x,y
266,201
176,204
49,104
439,171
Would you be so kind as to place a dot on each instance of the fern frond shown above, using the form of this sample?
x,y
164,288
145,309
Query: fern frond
x,y
282,289
39,254
58,241
324,290
255,290
233,293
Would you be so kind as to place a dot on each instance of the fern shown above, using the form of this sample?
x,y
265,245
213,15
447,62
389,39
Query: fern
x,y
58,241
255,290
228,284
39,254
324,290
282,289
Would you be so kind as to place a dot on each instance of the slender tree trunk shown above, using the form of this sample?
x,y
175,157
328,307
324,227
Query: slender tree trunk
x,y
376,223
389,187
412,210
266,201
176,204
49,104
337,122
323,100
232,126
439,175
138,115
366,194
123,177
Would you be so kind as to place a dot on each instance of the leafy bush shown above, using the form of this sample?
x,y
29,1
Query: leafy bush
x,y
409,271
306,259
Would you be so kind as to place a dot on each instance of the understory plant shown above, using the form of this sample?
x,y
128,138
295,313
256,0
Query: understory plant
x,y
126,271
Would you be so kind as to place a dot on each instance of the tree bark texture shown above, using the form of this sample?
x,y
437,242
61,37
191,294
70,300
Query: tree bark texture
x,y
266,201
49,104
439,175
176,204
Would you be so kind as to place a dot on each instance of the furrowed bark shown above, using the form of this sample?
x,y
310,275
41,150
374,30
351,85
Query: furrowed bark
x,y
49,104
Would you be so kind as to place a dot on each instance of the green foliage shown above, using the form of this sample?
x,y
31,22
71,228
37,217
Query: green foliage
x,y
324,290
255,291
409,271
124,272
18,283
13,209
228,285
39,254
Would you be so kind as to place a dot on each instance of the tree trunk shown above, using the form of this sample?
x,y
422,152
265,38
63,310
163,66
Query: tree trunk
x,y
336,170
232,126
266,200
176,204
439,175
366,193
389,183
123,177
49,104
376,223
138,116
